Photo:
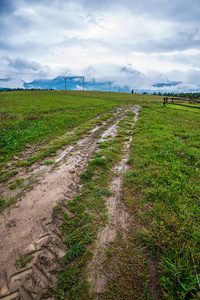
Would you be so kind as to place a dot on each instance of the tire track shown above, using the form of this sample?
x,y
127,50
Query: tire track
x,y
36,232
119,220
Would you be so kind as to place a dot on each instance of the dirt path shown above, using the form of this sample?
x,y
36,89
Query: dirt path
x,y
30,228
119,219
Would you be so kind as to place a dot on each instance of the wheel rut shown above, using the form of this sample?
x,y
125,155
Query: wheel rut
x,y
36,232
119,220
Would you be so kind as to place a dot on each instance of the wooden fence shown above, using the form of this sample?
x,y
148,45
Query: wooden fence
x,y
189,102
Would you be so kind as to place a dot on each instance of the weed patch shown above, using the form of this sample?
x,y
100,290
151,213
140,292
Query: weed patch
x,y
2,202
130,276
23,261
48,162
4,177
7,202
56,211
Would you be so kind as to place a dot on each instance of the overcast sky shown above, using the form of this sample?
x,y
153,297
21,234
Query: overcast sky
x,y
46,36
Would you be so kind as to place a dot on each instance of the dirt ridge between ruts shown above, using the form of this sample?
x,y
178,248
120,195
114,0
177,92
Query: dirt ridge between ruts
x,y
25,228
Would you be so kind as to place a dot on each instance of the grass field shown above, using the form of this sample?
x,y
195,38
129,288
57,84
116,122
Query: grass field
x,y
164,181
161,188
31,117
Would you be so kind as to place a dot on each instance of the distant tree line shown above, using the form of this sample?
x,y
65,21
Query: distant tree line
x,y
185,95
21,89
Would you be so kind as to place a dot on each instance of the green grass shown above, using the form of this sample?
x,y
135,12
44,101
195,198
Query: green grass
x,y
43,118
161,188
2,202
131,275
4,177
164,183
30,117
23,261
7,202
48,162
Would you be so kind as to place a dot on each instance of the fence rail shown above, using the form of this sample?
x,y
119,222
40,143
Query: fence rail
x,y
181,101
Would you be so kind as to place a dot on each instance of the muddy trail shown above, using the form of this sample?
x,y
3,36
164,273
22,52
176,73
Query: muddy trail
x,y
30,230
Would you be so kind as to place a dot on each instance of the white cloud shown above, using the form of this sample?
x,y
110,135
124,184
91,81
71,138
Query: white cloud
x,y
148,34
